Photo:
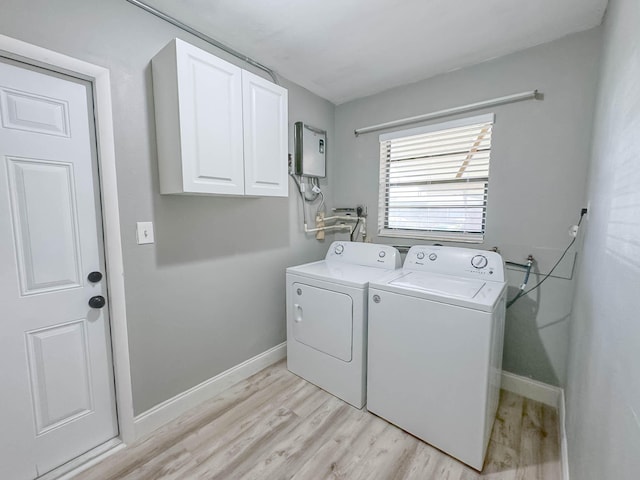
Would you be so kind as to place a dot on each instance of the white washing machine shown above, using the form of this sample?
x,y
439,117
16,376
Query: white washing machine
x,y
327,316
436,330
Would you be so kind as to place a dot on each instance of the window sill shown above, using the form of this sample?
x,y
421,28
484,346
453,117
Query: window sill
x,y
475,238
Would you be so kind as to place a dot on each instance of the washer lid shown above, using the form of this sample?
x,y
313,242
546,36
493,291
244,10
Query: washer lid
x,y
440,285
347,274
463,292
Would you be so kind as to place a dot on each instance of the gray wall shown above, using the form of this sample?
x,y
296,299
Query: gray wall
x,y
537,181
210,293
603,392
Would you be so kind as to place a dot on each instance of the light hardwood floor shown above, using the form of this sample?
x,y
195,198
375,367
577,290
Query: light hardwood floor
x,y
275,425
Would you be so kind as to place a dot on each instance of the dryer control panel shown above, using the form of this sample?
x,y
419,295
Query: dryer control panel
x,y
366,254
461,262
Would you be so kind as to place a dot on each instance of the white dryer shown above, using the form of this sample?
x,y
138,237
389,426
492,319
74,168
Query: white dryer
x,y
436,332
327,316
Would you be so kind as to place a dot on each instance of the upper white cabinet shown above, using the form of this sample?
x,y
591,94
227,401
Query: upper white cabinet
x,y
264,107
220,129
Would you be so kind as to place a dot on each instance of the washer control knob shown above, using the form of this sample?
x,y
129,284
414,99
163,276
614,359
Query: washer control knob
x,y
432,257
376,298
339,249
479,261
420,255
382,254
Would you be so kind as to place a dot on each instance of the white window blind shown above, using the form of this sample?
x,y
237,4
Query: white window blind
x,y
434,181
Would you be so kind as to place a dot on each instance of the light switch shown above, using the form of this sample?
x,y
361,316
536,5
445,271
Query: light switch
x,y
144,232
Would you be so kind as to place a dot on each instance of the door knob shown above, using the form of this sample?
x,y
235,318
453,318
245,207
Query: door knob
x,y
94,277
97,302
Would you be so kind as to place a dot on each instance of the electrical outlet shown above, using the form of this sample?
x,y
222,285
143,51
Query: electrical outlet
x,y
144,232
573,231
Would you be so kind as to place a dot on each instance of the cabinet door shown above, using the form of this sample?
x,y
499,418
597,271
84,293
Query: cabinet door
x,y
210,105
265,136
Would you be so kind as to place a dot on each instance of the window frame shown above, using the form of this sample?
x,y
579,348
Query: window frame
x,y
383,186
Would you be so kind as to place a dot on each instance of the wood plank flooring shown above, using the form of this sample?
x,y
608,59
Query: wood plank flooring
x,y
275,425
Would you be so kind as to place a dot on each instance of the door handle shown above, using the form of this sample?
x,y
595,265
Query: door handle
x,y
97,302
297,316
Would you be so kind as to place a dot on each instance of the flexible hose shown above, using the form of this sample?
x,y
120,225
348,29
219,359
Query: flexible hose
x,y
522,293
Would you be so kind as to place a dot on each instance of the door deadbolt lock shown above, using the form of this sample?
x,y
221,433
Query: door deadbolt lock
x,y
376,298
94,277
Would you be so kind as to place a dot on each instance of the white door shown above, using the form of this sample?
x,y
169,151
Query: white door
x,y
265,115
56,374
323,320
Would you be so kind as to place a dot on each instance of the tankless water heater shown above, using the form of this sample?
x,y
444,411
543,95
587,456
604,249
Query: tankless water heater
x,y
310,149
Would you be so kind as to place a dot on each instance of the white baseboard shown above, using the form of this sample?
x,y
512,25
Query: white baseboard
x,y
564,451
547,394
538,391
171,409
85,461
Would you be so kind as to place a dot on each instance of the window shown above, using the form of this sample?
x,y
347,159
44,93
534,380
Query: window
x,y
434,181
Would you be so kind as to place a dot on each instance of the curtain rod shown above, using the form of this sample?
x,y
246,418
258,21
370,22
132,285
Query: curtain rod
x,y
517,97
202,36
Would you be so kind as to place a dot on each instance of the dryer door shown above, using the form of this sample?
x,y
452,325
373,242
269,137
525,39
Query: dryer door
x,y
323,320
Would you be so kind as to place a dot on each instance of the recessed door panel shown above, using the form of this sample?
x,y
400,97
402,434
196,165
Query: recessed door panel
x,y
213,88
264,132
323,320
60,376
45,225
34,113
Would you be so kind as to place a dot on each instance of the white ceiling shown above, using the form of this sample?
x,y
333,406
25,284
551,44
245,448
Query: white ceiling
x,y
346,49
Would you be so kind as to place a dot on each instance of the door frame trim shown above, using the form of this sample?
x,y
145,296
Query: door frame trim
x,y
99,77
